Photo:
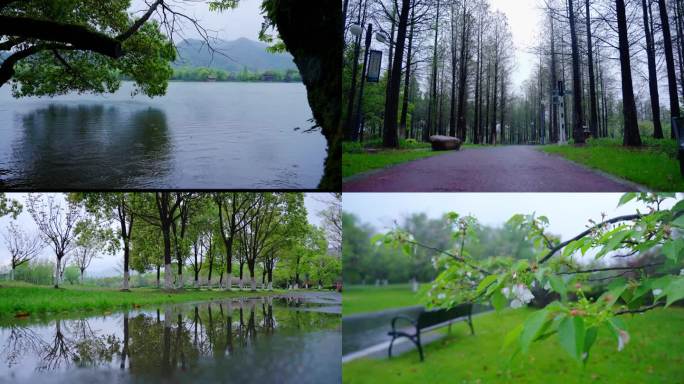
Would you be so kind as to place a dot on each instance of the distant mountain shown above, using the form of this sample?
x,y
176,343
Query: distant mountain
x,y
241,53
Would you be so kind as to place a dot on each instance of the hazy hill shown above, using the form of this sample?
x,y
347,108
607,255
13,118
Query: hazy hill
x,y
241,52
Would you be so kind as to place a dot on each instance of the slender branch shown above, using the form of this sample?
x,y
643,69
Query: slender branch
x,y
140,22
610,269
455,257
562,245
639,310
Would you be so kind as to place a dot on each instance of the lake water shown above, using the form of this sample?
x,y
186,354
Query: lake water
x,y
265,340
200,135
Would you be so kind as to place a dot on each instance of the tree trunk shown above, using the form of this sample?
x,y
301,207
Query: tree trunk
x,y
270,279
554,84
390,129
669,59
593,119
126,277
577,112
158,275
167,256
407,83
454,62
168,282
59,265
433,92
631,136
652,75
463,79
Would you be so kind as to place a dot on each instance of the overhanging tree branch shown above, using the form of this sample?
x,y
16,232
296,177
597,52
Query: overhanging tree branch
x,y
76,36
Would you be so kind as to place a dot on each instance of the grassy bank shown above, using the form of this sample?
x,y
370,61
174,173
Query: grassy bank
x,y
357,163
360,299
655,354
25,299
359,158
655,165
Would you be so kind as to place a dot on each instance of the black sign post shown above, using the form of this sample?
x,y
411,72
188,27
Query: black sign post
x,y
374,63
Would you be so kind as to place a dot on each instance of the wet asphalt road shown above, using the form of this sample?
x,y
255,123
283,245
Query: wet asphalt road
x,y
500,169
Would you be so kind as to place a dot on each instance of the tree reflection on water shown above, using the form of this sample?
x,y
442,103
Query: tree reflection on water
x,y
163,342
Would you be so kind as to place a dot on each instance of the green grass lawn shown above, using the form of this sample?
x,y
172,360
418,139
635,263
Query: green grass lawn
x,y
360,299
356,163
654,165
22,298
655,354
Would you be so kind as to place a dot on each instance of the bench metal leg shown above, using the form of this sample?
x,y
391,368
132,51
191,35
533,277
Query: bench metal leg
x,y
389,352
470,323
420,348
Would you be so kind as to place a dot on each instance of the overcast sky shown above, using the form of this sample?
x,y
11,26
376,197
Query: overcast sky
x,y
244,21
109,265
568,213
523,18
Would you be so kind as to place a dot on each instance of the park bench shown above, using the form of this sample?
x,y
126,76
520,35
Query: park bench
x,y
428,321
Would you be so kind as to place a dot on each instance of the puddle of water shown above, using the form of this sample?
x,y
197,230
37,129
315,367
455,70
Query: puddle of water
x,y
265,340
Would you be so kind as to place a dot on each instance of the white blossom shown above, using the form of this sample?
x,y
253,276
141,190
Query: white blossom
x,y
441,296
516,303
623,339
523,293
506,292
657,291
547,286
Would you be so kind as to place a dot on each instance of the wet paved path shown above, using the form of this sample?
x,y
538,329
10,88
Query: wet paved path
x,y
499,169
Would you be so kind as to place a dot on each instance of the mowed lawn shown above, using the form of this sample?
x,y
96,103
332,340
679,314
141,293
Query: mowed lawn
x,y
21,299
360,299
655,354
654,165
357,163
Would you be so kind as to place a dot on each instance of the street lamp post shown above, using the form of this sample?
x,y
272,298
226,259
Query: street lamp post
x,y
357,30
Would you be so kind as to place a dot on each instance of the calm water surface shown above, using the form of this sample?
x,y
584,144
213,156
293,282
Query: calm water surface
x,y
266,340
200,135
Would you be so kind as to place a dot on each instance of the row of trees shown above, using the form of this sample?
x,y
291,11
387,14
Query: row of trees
x,y
450,65
582,43
189,231
204,74
366,263
461,49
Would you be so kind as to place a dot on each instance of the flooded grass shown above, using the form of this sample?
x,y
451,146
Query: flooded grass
x,y
22,300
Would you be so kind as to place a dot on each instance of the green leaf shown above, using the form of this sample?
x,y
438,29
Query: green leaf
x,y
611,296
558,286
679,222
626,198
679,206
674,249
485,283
512,335
614,242
406,248
532,328
675,291
375,239
571,335
498,300
589,339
